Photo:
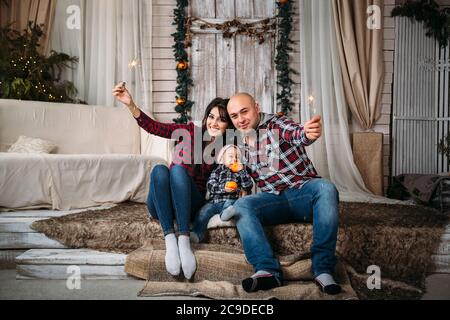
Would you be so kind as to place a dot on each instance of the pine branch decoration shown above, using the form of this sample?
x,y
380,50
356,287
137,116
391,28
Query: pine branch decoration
x,y
284,47
184,81
437,22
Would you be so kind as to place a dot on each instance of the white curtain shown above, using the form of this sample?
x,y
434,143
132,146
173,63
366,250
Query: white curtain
x,y
323,94
112,34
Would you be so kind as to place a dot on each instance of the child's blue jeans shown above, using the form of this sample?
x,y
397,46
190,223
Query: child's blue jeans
x,y
205,214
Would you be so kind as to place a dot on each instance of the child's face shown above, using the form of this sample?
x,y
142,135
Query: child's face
x,y
230,157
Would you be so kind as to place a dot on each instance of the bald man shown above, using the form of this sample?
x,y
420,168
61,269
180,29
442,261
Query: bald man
x,y
291,192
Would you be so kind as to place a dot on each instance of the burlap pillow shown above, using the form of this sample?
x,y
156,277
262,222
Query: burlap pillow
x,y
32,145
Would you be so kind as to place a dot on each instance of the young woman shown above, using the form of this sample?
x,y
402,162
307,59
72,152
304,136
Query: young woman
x,y
178,193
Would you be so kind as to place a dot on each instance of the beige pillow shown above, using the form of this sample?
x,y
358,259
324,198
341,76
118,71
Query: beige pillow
x,y
32,145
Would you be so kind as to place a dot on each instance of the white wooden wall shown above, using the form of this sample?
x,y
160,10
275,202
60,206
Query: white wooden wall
x,y
384,123
164,74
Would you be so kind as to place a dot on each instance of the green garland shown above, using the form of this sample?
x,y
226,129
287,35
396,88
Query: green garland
x,y
183,41
436,21
284,47
184,81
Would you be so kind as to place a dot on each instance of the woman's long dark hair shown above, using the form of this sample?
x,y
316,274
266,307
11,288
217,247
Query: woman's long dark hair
x,y
220,104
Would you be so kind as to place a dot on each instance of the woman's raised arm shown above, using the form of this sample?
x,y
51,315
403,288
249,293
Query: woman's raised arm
x,y
164,130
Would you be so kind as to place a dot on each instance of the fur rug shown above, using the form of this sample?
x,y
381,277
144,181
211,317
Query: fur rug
x,y
399,239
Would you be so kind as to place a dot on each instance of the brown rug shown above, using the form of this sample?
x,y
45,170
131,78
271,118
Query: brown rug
x,y
399,239
220,270
226,291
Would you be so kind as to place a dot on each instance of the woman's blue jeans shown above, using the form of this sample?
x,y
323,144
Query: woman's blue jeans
x,y
317,202
173,196
208,211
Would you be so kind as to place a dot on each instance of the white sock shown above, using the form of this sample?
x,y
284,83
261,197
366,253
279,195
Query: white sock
x,y
227,214
187,257
172,256
261,273
326,279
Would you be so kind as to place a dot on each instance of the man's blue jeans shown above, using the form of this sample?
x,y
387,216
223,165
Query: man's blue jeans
x,y
206,213
317,202
173,194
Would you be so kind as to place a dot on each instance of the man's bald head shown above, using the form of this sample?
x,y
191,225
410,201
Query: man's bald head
x,y
242,97
244,111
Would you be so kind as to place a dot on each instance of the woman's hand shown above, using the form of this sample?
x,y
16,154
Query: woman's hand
x,y
121,93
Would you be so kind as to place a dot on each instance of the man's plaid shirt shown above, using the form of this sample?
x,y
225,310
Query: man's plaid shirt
x,y
219,178
184,151
282,162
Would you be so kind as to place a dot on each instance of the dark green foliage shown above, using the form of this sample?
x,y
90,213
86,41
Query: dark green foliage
x,y
284,47
436,21
184,80
444,146
25,74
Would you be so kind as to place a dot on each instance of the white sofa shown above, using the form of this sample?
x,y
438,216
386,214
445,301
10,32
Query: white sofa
x,y
98,158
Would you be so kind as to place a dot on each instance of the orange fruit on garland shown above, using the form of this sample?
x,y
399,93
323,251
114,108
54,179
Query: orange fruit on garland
x,y
181,101
182,65
231,185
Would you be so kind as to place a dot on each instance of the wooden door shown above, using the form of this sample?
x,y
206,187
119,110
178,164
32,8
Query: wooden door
x,y
222,67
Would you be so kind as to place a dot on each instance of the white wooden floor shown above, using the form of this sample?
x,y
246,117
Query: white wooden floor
x,y
34,256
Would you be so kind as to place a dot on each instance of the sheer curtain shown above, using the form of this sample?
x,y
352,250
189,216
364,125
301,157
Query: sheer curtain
x,y
110,36
323,94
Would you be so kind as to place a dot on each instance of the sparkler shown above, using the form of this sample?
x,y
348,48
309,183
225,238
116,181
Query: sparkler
x,y
311,102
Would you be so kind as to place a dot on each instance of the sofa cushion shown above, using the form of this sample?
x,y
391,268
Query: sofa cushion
x,y
32,145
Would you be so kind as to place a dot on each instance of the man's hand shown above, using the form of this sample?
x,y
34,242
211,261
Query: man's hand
x,y
313,128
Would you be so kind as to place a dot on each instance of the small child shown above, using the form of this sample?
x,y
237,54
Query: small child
x,y
226,184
